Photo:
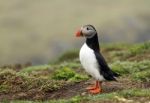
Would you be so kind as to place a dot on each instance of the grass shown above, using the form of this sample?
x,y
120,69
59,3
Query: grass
x,y
36,71
68,56
37,83
125,67
38,78
126,52
142,76
70,64
35,68
11,82
135,92
111,96
140,48
68,75
63,74
137,70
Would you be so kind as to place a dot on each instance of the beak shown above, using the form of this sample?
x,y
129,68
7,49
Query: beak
x,y
79,33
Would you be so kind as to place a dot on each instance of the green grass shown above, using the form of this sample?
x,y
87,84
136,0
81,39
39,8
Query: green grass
x,y
74,64
140,48
36,71
68,75
135,93
142,76
35,68
123,93
6,73
115,46
63,74
68,56
34,77
93,98
125,67
53,77
125,52
12,82
4,88
137,70
79,78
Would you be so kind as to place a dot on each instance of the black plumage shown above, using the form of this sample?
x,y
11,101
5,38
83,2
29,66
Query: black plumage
x,y
104,69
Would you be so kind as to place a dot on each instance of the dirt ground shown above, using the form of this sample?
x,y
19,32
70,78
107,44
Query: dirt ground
x,y
75,89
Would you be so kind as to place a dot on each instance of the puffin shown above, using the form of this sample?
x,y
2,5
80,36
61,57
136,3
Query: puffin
x,y
92,60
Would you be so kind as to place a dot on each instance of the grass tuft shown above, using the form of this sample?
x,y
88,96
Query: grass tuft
x,y
135,92
35,68
63,74
68,74
78,78
140,48
130,67
142,76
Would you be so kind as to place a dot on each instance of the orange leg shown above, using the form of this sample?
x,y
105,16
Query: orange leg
x,y
97,89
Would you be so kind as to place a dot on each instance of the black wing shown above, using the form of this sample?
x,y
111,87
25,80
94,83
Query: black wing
x,y
104,68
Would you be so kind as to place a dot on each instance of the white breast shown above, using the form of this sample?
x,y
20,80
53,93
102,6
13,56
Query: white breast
x,y
89,62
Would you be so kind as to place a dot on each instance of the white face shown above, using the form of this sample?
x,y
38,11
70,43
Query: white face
x,y
88,31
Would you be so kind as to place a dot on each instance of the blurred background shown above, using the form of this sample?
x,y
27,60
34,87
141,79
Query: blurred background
x,y
38,31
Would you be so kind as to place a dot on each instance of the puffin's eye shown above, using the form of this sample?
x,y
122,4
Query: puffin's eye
x,y
87,29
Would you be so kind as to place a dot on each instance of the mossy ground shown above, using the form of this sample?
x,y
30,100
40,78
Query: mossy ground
x,y
64,81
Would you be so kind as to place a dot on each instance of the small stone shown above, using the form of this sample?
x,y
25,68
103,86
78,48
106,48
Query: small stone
x,y
22,94
83,94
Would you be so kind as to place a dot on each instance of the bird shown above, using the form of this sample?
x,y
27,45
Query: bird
x,y
92,60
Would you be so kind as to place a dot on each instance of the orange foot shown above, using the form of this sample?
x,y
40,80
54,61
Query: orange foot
x,y
95,91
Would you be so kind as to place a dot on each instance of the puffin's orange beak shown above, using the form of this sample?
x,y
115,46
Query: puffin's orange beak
x,y
79,33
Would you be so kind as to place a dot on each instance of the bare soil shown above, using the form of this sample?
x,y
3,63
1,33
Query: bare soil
x,y
72,90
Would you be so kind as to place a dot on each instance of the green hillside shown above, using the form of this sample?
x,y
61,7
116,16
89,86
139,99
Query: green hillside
x,y
64,80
